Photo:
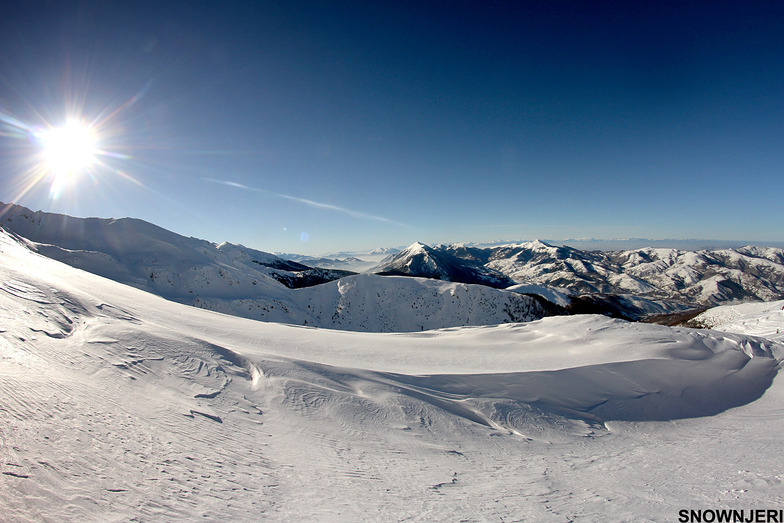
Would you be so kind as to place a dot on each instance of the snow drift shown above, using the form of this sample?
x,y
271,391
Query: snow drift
x,y
117,404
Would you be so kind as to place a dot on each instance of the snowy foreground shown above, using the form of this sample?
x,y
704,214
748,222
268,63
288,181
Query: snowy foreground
x,y
118,405
757,319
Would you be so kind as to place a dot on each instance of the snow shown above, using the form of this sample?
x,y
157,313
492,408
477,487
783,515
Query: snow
x,y
372,303
764,319
685,277
417,253
254,284
631,284
552,294
231,279
118,405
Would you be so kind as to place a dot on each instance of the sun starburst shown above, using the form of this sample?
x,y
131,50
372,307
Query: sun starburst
x,y
57,155
67,151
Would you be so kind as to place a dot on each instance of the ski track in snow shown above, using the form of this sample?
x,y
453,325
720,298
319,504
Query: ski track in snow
x,y
117,405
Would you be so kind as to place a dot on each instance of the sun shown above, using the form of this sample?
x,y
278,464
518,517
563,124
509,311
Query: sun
x,y
67,151
76,155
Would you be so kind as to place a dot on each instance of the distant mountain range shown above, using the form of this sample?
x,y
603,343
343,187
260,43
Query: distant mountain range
x,y
348,262
456,284
629,283
237,280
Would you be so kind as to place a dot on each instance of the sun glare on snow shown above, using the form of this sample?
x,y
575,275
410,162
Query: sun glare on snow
x,y
67,151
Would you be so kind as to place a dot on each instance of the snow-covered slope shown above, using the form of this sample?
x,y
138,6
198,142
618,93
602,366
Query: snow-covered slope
x,y
386,304
118,405
151,258
755,319
237,280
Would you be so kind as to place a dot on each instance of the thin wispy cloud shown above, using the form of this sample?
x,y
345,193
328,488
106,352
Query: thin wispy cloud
x,y
309,203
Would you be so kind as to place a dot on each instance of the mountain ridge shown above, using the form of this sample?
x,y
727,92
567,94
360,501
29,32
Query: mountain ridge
x,y
671,277
239,280
255,284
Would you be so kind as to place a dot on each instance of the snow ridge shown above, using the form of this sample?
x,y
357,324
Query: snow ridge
x,y
255,284
236,280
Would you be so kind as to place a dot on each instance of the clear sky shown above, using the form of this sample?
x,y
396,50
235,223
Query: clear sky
x,y
318,126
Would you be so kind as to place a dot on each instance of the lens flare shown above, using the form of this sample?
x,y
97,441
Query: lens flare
x,y
77,157
70,147
67,151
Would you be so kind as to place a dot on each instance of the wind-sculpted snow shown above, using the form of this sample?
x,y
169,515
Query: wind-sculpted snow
x,y
118,405
698,379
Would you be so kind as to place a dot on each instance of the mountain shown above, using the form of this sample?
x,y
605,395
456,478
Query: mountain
x,y
371,303
254,284
356,261
501,284
348,263
151,258
644,281
383,251
118,405
628,244
440,264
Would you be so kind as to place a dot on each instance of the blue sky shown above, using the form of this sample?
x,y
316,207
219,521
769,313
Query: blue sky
x,y
312,127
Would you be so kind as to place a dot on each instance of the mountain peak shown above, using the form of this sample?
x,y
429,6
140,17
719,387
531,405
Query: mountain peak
x,y
538,244
417,247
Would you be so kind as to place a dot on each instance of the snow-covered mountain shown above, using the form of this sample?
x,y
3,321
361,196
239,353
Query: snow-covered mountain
x,y
371,303
347,263
258,285
245,282
657,280
118,405
359,261
384,251
149,257
442,264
